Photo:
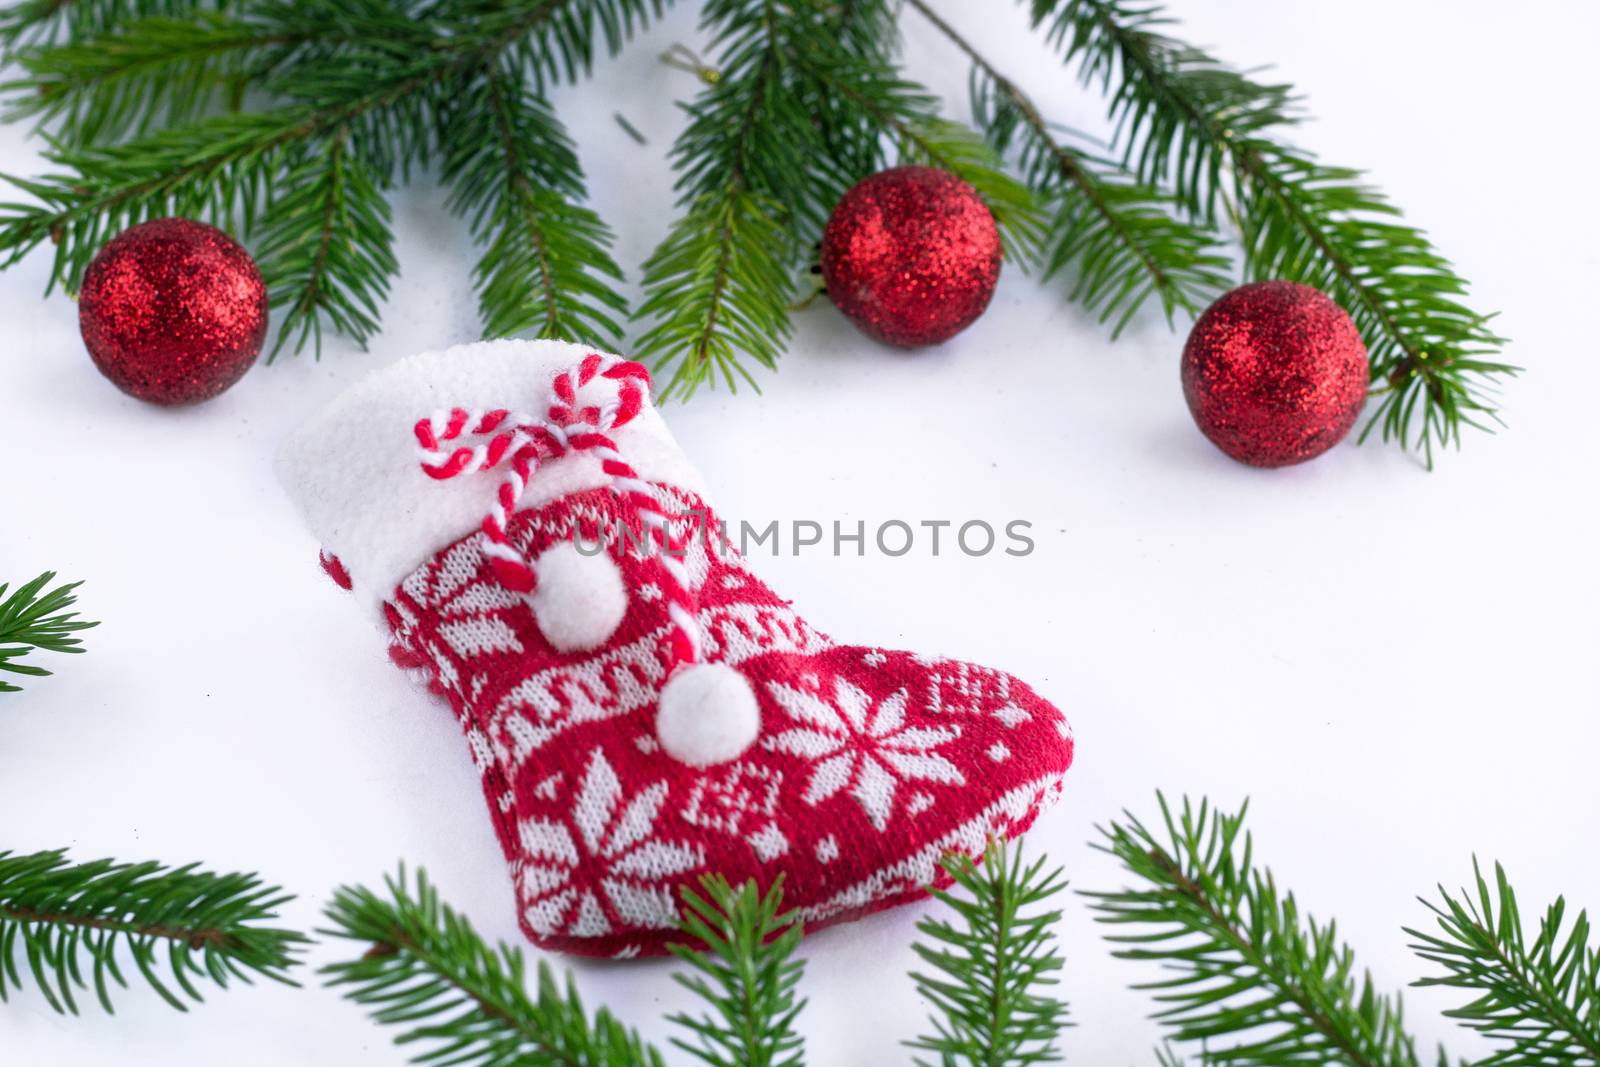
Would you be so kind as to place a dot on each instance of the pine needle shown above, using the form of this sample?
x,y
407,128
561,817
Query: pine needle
x,y
101,88
44,23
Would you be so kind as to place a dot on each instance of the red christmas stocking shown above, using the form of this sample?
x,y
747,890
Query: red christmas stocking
x,y
644,709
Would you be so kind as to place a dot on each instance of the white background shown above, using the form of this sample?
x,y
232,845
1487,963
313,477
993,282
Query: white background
x,y
1398,668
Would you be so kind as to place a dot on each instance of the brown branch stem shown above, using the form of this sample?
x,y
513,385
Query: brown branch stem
x,y
206,937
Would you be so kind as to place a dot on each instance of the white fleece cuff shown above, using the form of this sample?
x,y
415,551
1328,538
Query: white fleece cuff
x,y
354,472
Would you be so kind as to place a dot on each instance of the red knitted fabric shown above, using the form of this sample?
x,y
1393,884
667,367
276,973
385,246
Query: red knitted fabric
x,y
870,764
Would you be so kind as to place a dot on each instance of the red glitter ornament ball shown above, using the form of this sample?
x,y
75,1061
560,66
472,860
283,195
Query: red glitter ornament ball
x,y
1275,373
173,311
911,255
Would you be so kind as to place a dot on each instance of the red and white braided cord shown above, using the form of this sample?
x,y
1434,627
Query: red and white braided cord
x,y
523,441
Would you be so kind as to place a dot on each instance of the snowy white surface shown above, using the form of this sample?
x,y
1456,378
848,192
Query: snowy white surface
x,y
1398,668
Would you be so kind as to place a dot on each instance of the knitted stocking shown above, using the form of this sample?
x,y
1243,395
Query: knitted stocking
x,y
644,709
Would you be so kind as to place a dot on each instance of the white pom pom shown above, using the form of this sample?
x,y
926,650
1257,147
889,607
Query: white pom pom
x,y
579,600
708,715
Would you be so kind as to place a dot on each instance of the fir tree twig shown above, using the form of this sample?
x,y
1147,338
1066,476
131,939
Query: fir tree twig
x,y
427,971
718,286
993,963
867,31
1249,967
1185,119
35,23
546,266
742,964
1120,238
326,251
105,87
71,921
1540,999
30,619
217,168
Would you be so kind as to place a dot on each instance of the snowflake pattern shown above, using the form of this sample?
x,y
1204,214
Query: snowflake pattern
x,y
864,747
614,873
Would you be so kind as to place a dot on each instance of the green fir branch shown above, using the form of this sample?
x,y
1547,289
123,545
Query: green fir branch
x,y
70,923
122,83
742,964
33,619
874,116
41,23
428,972
718,287
1185,120
1122,246
1541,999
546,265
863,31
217,169
1179,112
435,53
1121,239
385,78
807,97
1248,968
326,250
993,964
553,41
